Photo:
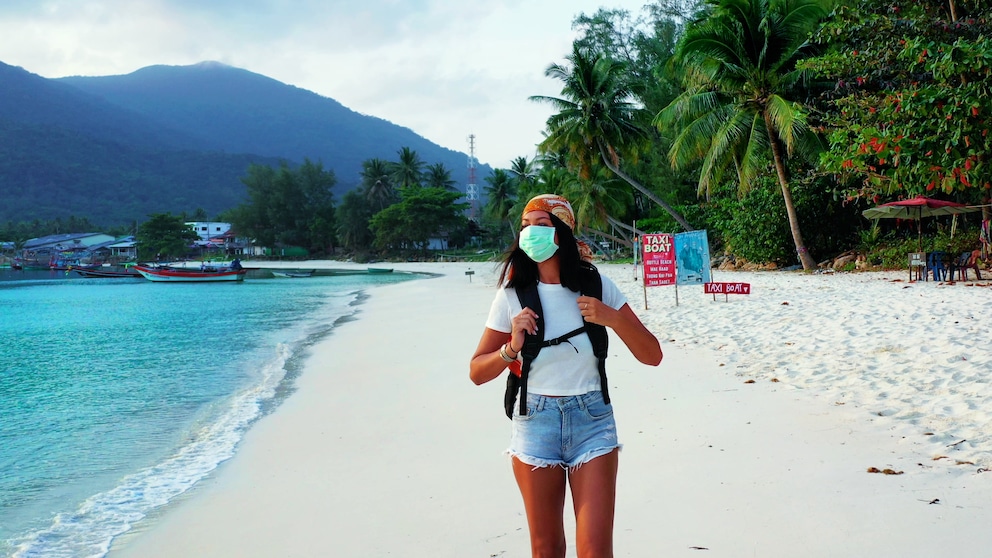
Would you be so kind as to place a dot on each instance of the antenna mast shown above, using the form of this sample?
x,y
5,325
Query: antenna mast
x,y
472,189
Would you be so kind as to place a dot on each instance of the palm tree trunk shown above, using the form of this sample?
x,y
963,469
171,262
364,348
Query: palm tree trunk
x,y
626,242
647,193
790,208
624,226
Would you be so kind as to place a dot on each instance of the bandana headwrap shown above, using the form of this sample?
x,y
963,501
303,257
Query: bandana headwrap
x,y
560,208
555,205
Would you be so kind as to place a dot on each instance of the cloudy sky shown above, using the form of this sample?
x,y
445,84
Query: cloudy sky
x,y
444,68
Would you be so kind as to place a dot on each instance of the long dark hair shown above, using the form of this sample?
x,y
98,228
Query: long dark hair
x,y
519,270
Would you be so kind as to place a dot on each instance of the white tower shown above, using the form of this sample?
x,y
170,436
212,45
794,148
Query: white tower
x,y
472,189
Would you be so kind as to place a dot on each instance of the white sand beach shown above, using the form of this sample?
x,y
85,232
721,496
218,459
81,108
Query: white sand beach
x,y
753,438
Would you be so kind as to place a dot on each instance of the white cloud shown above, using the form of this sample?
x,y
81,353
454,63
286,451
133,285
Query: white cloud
x,y
444,68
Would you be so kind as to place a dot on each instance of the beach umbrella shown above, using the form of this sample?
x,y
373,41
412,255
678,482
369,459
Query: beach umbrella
x,y
916,209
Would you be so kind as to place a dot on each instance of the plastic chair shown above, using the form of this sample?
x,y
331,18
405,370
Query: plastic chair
x,y
917,265
936,267
966,261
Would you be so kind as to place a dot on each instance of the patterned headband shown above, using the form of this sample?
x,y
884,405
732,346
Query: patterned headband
x,y
555,205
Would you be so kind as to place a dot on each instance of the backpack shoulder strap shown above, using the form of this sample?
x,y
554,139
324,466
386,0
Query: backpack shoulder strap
x,y
528,297
592,285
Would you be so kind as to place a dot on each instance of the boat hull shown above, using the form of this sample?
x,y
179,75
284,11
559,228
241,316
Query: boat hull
x,y
292,274
164,275
101,274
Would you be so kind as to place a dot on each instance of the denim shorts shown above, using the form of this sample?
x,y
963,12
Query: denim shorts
x,y
564,431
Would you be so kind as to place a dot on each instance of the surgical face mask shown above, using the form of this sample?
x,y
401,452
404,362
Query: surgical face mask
x,y
538,242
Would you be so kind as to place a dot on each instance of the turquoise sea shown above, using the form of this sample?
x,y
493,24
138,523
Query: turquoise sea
x,y
117,395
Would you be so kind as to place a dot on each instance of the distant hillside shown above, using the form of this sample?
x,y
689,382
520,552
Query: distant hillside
x,y
117,148
31,100
64,152
237,111
48,172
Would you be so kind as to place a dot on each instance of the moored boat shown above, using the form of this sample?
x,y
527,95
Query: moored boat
x,y
106,273
380,270
292,274
173,275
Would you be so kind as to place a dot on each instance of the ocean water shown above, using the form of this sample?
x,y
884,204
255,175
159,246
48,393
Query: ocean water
x,y
117,395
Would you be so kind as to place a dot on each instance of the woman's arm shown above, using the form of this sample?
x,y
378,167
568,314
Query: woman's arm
x,y
487,363
641,342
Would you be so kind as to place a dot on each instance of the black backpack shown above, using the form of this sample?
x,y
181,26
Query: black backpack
x,y
590,284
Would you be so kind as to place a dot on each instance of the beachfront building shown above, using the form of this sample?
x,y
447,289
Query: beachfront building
x,y
207,230
59,249
123,249
221,237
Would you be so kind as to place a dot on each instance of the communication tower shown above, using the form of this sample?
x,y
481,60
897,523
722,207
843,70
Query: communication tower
x,y
472,189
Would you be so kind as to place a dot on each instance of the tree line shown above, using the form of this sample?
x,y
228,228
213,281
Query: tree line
x,y
398,207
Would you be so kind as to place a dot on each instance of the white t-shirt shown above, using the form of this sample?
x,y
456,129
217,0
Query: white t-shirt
x,y
567,369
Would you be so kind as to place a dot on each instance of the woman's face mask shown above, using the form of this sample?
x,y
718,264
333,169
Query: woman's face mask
x,y
538,242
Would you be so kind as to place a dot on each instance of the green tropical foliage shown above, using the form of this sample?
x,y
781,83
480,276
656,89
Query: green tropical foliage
x,y
909,99
408,170
377,183
740,107
353,217
164,235
523,172
421,214
597,121
288,207
438,176
501,195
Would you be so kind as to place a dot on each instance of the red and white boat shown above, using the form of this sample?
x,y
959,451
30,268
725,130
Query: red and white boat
x,y
174,275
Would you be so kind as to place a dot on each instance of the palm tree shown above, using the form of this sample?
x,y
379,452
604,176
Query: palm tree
x,y
377,184
740,64
501,195
595,201
409,170
437,176
596,119
523,171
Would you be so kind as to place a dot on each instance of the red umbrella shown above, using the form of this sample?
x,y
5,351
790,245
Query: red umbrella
x,y
916,209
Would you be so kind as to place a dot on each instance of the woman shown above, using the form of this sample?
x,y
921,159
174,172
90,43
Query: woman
x,y
567,434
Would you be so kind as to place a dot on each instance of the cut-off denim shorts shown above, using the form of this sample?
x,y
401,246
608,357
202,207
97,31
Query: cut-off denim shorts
x,y
564,431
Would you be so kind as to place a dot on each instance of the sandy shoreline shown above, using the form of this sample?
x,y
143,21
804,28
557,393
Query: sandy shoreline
x,y
387,449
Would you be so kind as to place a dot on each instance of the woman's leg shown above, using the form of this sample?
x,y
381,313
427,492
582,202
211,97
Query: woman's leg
x,y
543,490
594,491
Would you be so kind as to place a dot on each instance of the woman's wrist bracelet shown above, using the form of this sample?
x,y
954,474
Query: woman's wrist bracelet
x,y
503,354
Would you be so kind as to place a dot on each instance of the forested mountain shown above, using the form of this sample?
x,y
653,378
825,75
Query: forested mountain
x,y
237,111
167,138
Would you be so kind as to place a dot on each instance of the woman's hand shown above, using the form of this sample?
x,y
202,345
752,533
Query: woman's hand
x,y
487,364
521,324
641,342
595,311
